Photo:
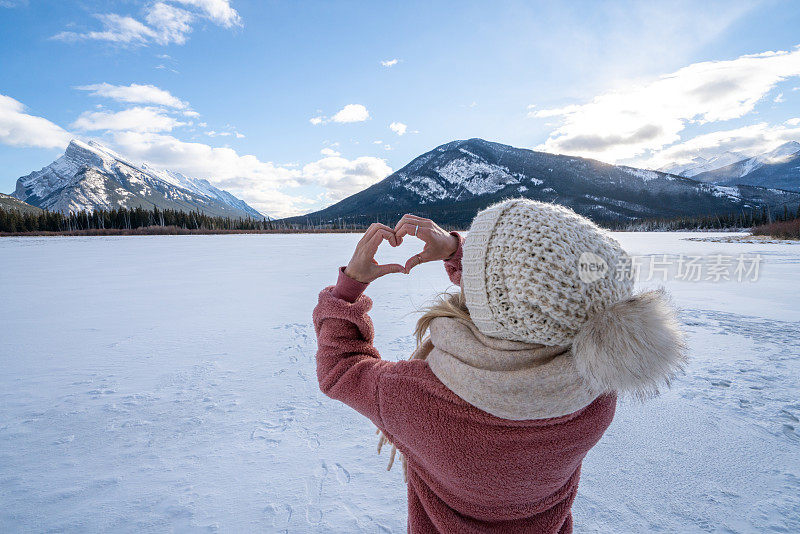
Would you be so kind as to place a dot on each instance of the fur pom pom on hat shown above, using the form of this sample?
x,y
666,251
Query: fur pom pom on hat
x,y
540,273
632,346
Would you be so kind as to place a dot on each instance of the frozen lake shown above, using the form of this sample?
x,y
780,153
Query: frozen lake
x,y
168,383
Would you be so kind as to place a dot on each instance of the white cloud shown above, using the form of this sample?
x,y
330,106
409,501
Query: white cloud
x,y
648,116
329,152
165,23
398,127
18,128
219,11
377,142
389,62
164,67
191,113
779,98
343,177
116,29
198,159
228,133
749,140
136,94
351,113
137,119
172,23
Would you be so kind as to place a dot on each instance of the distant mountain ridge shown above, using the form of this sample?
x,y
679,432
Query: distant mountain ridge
x,y
7,202
90,176
700,164
455,180
778,168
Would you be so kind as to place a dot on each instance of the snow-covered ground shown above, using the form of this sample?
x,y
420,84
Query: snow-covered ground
x,y
165,383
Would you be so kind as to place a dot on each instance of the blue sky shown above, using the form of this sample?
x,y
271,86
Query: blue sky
x,y
293,105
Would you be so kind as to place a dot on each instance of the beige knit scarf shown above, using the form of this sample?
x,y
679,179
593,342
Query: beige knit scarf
x,y
508,379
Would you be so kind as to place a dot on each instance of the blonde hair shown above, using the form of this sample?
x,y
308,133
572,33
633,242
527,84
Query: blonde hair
x,y
453,305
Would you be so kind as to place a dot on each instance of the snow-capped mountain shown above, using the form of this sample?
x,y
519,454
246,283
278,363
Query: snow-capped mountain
x,y
90,176
700,164
453,181
779,168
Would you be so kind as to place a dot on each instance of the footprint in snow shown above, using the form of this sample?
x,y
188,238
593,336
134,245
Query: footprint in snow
x,y
64,440
312,440
279,514
314,490
264,436
342,474
785,414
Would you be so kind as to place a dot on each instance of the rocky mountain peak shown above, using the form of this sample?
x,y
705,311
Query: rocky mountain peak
x,y
90,176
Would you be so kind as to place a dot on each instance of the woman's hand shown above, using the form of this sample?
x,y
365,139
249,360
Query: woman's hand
x,y
439,244
362,266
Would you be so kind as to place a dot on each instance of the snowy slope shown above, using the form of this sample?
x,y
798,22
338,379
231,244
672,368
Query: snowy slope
x,y
183,397
90,176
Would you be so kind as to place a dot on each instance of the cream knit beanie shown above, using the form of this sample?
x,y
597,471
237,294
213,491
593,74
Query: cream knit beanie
x,y
540,273
522,271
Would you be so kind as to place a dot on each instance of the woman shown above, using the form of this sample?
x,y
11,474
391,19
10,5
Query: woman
x,y
520,373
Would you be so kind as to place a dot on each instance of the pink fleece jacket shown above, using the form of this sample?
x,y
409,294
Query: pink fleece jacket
x,y
468,471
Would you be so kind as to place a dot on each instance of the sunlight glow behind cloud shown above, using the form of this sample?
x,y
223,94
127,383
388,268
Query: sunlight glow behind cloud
x,y
643,118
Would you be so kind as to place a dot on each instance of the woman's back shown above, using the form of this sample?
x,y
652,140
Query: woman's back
x,y
469,469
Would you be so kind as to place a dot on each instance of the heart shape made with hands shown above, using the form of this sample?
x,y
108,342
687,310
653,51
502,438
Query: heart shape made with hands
x,y
403,253
438,245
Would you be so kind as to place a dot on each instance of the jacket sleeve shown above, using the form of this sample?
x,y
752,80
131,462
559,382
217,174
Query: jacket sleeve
x,y
453,264
348,365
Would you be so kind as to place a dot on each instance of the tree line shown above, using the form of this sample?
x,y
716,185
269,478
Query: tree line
x,y
726,221
125,219
13,221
